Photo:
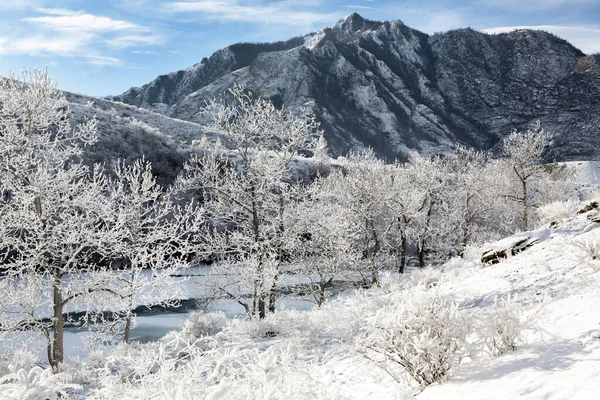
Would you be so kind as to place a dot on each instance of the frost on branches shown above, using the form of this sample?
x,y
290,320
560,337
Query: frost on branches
x,y
151,238
63,224
247,193
523,151
53,212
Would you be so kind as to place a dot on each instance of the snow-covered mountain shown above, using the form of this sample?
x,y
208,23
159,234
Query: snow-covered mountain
x,y
395,89
128,132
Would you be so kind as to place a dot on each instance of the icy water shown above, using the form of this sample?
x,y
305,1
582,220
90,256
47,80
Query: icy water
x,y
153,324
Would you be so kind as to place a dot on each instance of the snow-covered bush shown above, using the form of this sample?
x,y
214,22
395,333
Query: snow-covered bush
x,y
203,324
20,359
135,123
35,384
587,248
422,331
556,211
261,328
391,282
429,277
501,326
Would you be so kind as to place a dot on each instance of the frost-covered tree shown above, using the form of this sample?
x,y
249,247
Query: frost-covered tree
x,y
54,211
523,152
151,238
246,192
476,202
325,250
363,191
406,202
429,177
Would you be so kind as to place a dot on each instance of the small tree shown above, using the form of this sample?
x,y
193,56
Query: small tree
x,y
406,201
522,152
363,191
475,199
247,192
429,183
326,250
151,236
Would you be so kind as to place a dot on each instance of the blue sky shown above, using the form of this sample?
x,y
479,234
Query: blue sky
x,y
103,47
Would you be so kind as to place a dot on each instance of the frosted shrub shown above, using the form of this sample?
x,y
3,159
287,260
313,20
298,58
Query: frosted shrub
x,y
501,327
473,253
428,277
20,359
203,324
557,211
588,249
422,332
135,123
35,384
261,328
113,112
391,282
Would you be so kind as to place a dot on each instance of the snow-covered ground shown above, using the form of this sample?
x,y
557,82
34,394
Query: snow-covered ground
x,y
586,172
552,289
557,283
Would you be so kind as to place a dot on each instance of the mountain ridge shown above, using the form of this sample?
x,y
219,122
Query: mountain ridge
x,y
395,89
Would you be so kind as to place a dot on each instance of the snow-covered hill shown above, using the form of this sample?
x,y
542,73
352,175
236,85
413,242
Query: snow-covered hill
x,y
556,285
128,132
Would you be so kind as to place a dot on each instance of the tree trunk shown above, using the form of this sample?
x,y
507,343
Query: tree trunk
x,y
374,274
273,294
465,239
262,307
525,217
58,324
403,251
127,327
321,294
422,254
423,243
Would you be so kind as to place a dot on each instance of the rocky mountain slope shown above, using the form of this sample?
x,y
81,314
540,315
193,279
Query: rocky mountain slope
x,y
395,89
128,132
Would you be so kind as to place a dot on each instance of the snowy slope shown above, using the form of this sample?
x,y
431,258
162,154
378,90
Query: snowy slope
x,y
552,289
586,172
558,286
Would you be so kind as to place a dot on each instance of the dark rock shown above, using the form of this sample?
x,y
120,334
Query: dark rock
x,y
592,206
495,256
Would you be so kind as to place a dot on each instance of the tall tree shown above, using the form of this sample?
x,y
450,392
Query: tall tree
x,y
151,237
54,211
247,191
363,191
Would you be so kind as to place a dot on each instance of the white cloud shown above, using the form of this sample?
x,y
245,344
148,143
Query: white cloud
x,y
69,21
358,7
144,52
281,12
133,40
584,38
68,33
529,5
44,44
103,61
